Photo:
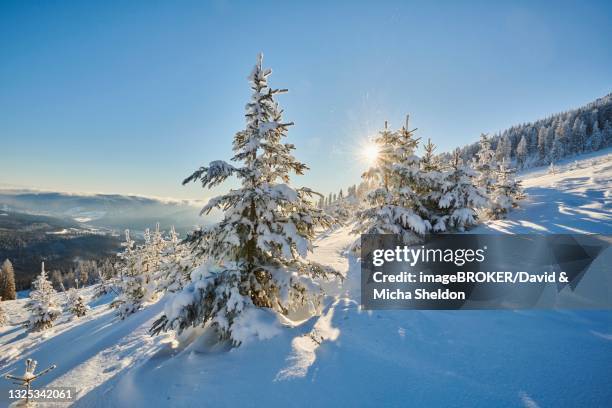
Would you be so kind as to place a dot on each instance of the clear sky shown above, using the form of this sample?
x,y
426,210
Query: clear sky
x,y
130,97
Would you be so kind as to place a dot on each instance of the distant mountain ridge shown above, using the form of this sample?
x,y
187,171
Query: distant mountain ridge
x,y
113,211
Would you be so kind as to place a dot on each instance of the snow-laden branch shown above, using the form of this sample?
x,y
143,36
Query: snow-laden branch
x,y
216,172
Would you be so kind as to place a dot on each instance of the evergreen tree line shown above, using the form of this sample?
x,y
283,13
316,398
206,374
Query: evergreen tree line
x,y
549,140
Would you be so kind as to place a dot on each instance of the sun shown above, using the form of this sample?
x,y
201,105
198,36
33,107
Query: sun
x,y
369,153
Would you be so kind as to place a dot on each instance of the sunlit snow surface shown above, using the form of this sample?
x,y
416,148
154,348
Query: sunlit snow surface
x,y
349,357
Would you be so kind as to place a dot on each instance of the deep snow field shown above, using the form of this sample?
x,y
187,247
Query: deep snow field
x,y
349,357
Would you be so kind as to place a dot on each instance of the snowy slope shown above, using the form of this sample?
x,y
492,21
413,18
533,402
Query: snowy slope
x,y
348,357
577,198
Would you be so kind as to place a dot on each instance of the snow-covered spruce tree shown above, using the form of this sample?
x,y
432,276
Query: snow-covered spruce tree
x,y
177,261
594,141
7,281
137,285
506,192
462,197
76,303
42,305
395,206
485,164
435,185
3,316
255,256
504,149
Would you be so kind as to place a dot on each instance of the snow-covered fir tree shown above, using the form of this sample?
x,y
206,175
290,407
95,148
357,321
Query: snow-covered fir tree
x,y
506,192
255,256
429,161
462,197
76,303
137,284
558,151
42,305
177,261
594,141
435,185
485,164
395,206
504,149
3,316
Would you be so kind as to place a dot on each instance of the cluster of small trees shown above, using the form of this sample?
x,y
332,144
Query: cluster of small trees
x,y
158,265
414,196
44,304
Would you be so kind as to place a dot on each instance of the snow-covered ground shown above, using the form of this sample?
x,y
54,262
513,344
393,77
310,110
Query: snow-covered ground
x,y
576,199
349,357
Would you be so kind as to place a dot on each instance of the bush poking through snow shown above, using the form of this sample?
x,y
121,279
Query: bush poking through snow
x,y
256,253
43,309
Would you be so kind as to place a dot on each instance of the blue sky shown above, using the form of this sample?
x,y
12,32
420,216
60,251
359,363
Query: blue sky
x,y
130,97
